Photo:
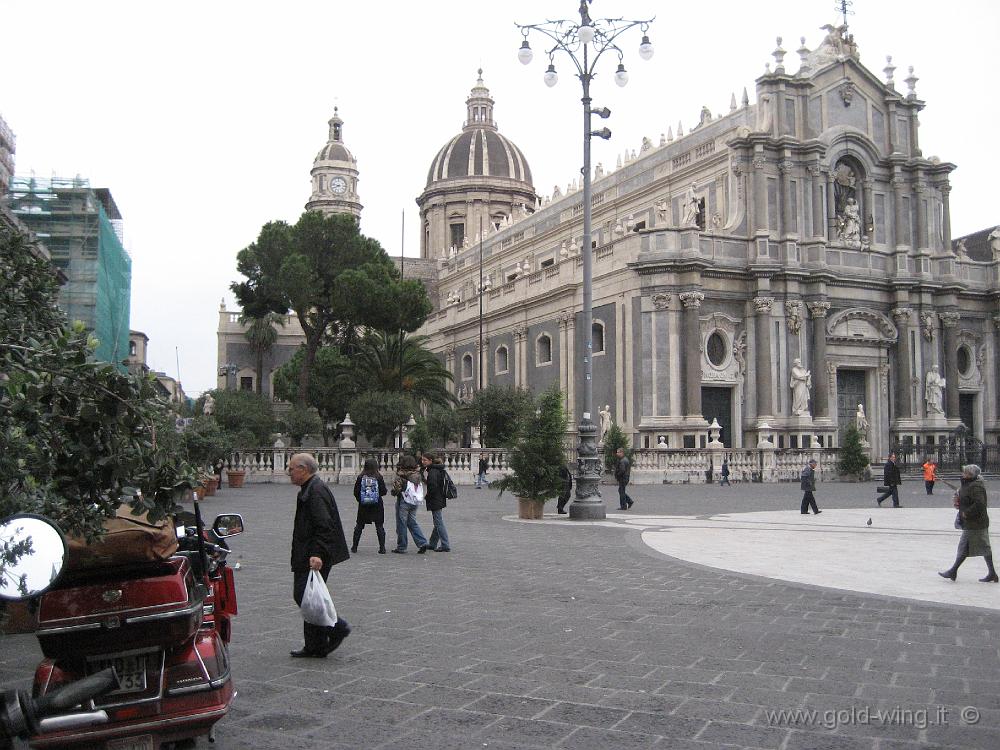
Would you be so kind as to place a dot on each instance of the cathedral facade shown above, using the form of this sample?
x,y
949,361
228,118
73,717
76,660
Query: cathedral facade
x,y
785,268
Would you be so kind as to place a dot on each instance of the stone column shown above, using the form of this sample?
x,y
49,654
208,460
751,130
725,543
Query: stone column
x,y
692,353
820,389
449,362
521,373
902,216
759,195
818,224
904,403
484,361
867,218
950,322
946,215
785,170
762,356
920,193
567,325
996,365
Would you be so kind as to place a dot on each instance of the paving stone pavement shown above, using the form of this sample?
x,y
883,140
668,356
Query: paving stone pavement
x,y
575,636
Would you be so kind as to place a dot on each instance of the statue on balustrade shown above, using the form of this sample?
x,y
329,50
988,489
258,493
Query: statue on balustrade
x,y
605,415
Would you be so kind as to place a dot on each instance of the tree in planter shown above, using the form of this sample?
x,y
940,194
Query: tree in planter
x,y
615,439
301,422
500,409
536,452
853,461
76,436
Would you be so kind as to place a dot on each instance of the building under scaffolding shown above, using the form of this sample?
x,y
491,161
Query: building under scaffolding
x,y
82,229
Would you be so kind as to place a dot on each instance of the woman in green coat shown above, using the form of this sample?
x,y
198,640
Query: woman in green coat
x,y
975,542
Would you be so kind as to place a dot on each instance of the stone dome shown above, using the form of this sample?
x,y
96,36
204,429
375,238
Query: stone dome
x,y
479,150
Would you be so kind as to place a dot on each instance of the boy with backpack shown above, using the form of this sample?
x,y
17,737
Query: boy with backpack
x,y
368,491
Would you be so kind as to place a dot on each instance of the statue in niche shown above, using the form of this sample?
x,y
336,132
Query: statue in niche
x,y
662,208
605,415
849,224
934,391
800,383
845,183
691,207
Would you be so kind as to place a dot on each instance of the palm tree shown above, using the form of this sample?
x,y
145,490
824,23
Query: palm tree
x,y
262,335
401,363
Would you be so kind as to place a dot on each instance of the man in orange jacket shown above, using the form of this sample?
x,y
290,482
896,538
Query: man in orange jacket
x,y
930,475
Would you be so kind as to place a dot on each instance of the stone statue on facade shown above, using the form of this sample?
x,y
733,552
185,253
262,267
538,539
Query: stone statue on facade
x,y
208,408
800,383
861,423
691,206
647,145
934,391
605,415
994,239
556,193
849,224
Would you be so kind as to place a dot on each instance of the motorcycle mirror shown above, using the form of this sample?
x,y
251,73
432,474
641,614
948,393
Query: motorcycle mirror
x,y
228,524
32,555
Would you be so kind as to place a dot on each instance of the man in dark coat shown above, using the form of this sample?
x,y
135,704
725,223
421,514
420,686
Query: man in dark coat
x,y
807,483
318,543
623,473
433,472
891,479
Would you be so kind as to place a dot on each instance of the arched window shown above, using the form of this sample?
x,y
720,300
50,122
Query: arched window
x,y
467,367
501,360
597,337
131,348
543,350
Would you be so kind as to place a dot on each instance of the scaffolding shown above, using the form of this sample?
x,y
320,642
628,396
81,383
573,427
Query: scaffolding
x,y
81,227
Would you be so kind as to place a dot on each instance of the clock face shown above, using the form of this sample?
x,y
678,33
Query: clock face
x,y
338,185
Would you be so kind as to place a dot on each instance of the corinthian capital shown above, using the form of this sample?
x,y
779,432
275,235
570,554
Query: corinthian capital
x,y
818,309
902,315
691,299
949,319
763,304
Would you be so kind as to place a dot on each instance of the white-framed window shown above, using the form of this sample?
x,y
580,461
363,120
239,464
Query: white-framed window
x,y
597,336
543,350
466,367
501,360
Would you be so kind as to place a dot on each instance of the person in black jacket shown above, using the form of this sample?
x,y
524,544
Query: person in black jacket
x,y
623,473
433,471
567,488
370,511
807,483
891,479
318,543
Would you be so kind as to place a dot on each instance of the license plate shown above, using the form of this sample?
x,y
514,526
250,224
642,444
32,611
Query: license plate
x,y
131,673
143,742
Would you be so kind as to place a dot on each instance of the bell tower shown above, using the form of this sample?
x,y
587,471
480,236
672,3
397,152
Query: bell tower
x,y
335,175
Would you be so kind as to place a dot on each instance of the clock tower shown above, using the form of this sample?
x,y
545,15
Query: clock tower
x,y
335,176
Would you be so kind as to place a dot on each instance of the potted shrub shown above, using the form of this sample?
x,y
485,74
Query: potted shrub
x,y
534,455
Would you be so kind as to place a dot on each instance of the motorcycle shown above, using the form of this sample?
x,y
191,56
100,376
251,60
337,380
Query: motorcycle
x,y
32,554
163,627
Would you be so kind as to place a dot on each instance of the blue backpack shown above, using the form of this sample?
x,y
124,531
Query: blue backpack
x,y
369,490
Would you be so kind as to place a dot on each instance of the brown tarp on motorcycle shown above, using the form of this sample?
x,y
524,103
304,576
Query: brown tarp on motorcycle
x,y
128,538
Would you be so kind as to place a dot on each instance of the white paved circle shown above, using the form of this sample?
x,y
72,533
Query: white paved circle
x,y
898,555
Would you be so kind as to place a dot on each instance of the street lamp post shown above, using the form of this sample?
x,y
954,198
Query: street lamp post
x,y
584,42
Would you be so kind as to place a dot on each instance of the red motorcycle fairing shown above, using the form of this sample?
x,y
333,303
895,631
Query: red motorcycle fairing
x,y
185,692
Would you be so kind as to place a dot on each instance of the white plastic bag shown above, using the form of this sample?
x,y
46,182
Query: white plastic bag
x,y
317,604
414,493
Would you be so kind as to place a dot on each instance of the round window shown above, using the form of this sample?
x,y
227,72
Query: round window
x,y
964,361
716,348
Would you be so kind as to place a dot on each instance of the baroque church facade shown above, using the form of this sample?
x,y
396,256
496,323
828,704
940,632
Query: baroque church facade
x,y
784,269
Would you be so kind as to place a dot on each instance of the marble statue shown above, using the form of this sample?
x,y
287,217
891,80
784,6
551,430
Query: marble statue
x,y
934,391
209,407
994,239
556,193
849,224
690,217
598,171
662,208
605,415
861,422
647,145
800,383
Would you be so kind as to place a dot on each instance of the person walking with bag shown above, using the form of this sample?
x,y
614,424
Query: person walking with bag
x,y
318,544
891,478
970,500
408,489
369,489
484,465
930,475
436,500
724,473
807,482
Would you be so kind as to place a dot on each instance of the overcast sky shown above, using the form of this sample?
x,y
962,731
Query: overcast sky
x,y
203,118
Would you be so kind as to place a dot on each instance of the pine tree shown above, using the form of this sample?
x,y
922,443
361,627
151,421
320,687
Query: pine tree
x,y
853,460
536,452
615,439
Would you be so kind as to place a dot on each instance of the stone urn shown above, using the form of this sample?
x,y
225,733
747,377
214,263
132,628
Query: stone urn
x,y
235,477
529,509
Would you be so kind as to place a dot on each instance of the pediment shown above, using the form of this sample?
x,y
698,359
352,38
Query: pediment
x,y
861,325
